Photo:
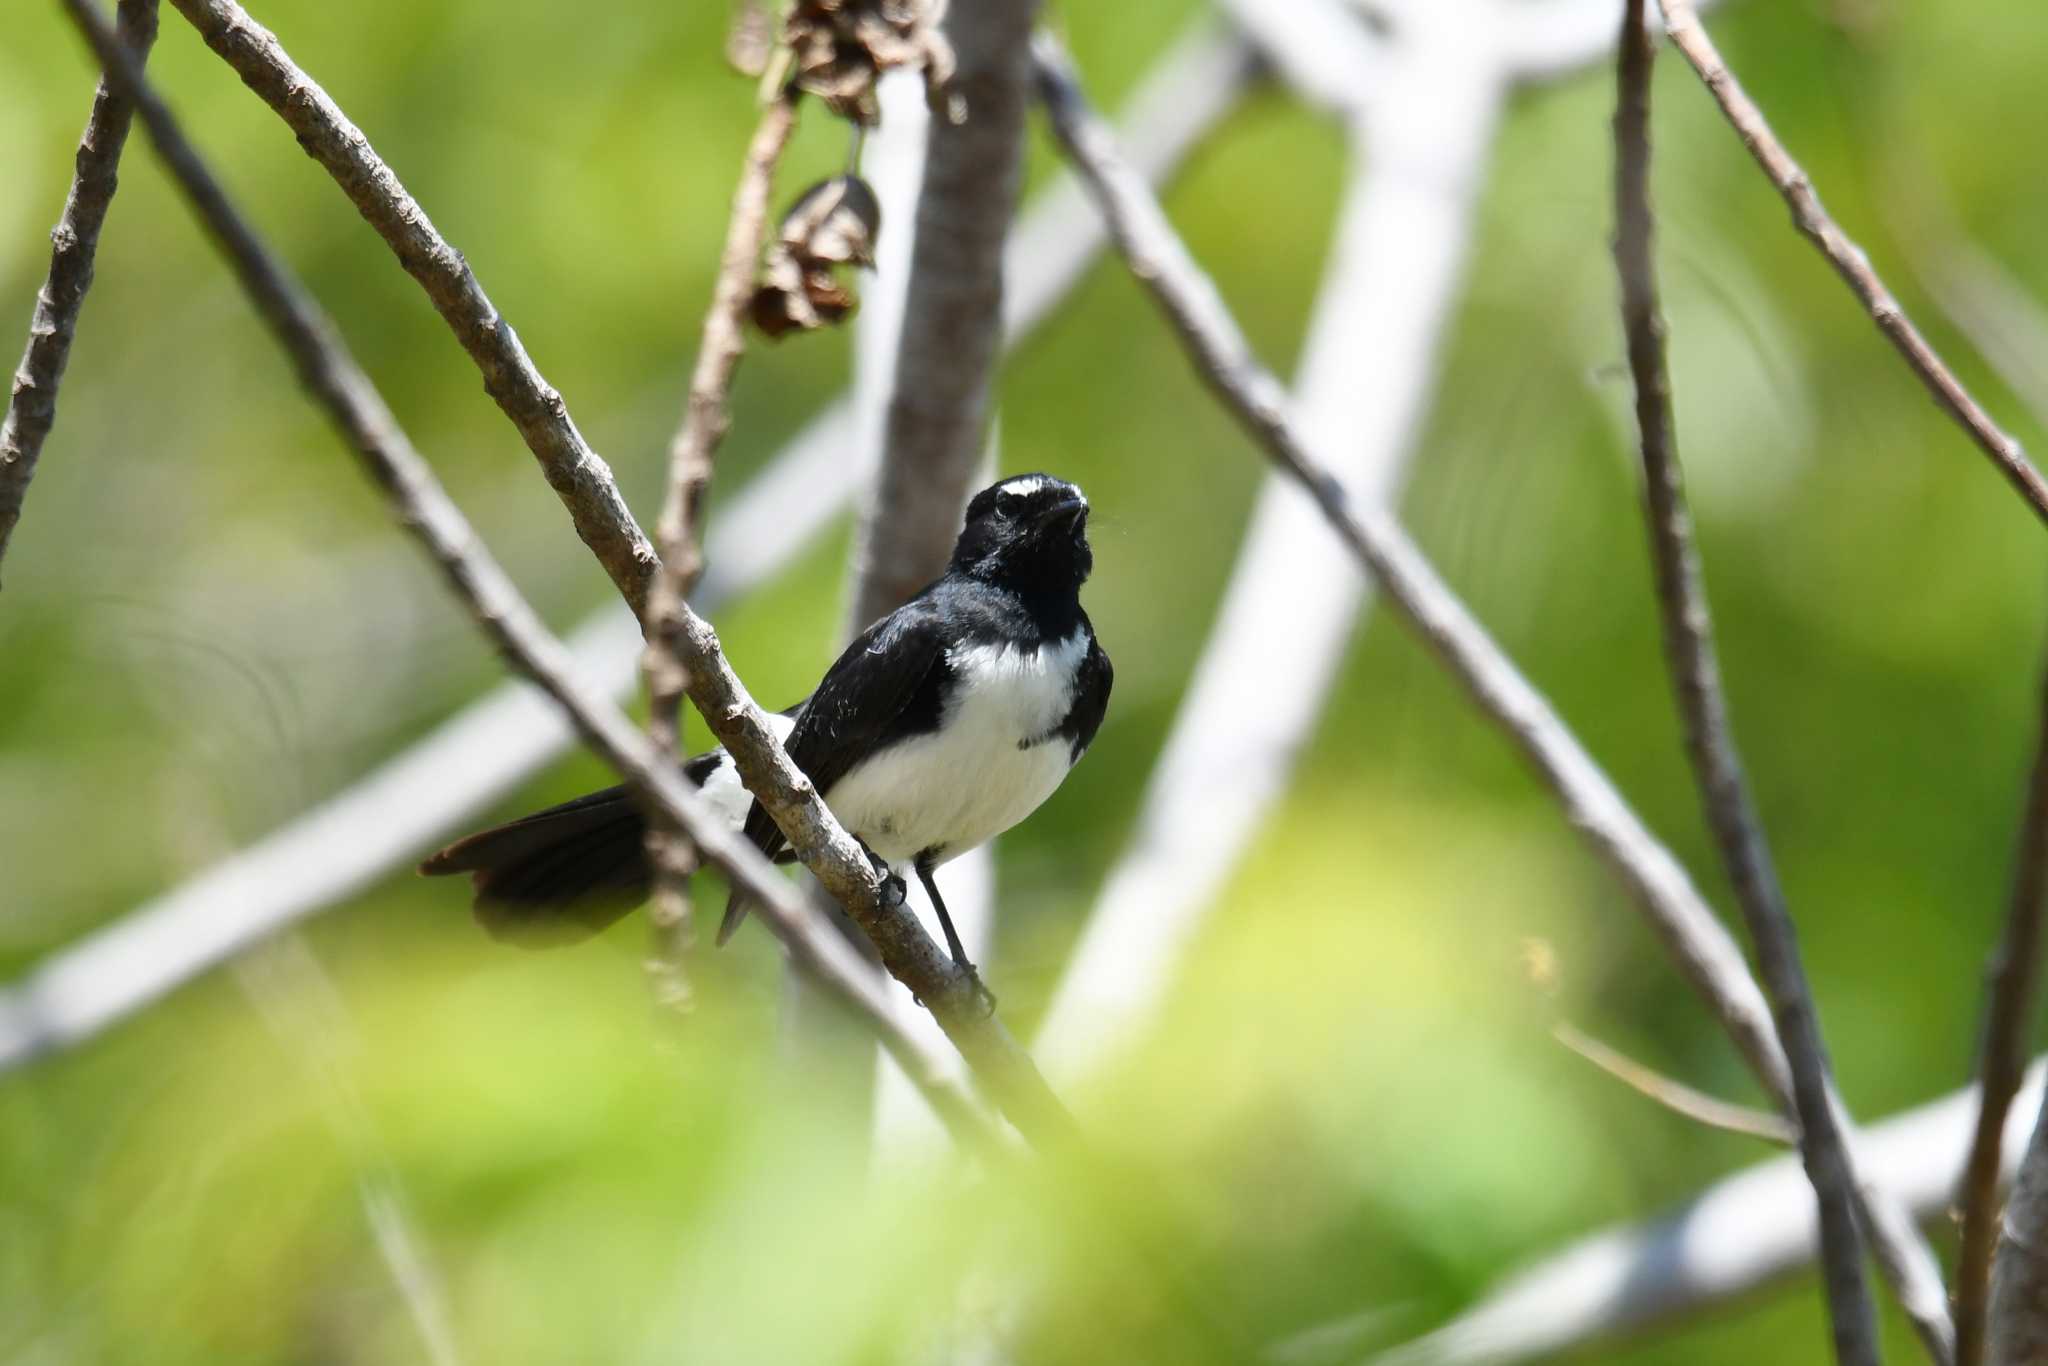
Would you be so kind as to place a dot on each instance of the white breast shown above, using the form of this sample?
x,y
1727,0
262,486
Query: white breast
x,y
722,786
990,763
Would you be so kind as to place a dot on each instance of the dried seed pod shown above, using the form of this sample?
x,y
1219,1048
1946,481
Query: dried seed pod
x,y
832,224
840,47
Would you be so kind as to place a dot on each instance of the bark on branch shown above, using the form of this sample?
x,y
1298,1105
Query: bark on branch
x,y
1703,707
2017,1334
74,242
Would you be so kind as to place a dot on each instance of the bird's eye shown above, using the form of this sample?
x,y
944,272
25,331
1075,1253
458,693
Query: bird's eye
x,y
1008,505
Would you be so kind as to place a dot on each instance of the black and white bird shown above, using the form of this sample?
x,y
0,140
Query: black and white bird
x,y
941,726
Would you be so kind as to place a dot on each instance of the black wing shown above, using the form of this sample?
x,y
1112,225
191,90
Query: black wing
x,y
1091,697
889,683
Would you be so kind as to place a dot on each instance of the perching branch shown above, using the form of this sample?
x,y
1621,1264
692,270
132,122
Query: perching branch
x,y
32,406
1705,953
1845,256
424,508
1703,707
945,359
578,475
432,788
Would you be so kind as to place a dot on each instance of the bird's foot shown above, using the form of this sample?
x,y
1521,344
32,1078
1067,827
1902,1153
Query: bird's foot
x,y
894,889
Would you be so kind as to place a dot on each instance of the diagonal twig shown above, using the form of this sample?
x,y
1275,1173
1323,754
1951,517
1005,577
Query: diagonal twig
x,y
2002,1316
578,475
1676,1096
1368,366
449,777
1224,359
1705,953
424,508
1994,312
74,242
1848,259
1709,739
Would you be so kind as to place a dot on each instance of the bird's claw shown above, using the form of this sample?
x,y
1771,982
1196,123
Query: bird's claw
x,y
894,890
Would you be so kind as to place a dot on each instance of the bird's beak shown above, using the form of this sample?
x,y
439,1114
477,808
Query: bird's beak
x,y
1067,510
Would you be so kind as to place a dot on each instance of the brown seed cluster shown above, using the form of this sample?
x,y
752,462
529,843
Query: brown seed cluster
x,y
833,224
841,47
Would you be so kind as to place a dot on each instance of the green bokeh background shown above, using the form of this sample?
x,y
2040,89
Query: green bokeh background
x,y
1352,1103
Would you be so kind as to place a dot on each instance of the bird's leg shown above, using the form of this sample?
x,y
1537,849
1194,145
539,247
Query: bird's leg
x,y
931,889
893,888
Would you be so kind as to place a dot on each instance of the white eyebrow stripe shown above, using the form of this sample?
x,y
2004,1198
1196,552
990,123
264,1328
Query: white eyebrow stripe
x,y
1026,485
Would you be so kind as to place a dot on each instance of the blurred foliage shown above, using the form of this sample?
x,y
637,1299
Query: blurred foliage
x,y
1352,1105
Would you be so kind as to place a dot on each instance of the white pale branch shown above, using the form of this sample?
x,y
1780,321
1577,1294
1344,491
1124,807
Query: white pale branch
x,y
1738,1236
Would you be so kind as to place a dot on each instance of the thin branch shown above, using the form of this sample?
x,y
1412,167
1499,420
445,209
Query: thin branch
x,y
578,475
1741,1234
429,790
339,385
1848,259
1703,707
32,406
1224,359
706,419
2010,1010
974,170
1992,309
2017,1332
1674,1095
1368,369
1705,953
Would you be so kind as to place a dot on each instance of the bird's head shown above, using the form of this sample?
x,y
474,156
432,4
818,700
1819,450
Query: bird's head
x,y
1028,532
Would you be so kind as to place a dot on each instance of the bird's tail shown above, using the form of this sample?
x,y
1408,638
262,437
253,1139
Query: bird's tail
x,y
558,875
736,907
